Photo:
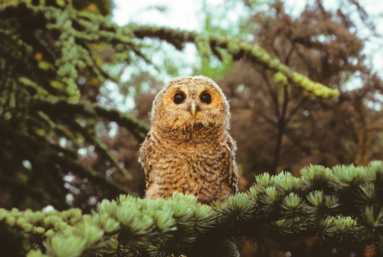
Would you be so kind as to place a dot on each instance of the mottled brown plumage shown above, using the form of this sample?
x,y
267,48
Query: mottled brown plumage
x,y
188,148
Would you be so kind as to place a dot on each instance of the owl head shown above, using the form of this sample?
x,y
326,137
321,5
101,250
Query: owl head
x,y
189,101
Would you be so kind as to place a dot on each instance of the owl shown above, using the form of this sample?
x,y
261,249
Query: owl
x,y
188,148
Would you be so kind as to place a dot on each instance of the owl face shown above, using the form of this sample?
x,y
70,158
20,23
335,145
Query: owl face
x,y
187,101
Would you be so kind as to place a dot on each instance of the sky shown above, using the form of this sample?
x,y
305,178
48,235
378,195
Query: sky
x,y
181,14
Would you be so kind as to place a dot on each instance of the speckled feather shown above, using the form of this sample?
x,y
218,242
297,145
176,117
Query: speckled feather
x,y
192,155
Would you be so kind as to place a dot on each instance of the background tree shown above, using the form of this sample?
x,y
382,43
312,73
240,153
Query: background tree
x,y
319,43
286,129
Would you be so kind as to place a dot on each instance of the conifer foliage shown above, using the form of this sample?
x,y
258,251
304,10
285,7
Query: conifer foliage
x,y
340,204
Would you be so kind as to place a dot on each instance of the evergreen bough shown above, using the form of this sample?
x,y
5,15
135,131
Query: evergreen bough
x,y
340,204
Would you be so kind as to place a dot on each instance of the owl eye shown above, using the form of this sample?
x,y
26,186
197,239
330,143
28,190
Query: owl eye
x,y
179,98
206,98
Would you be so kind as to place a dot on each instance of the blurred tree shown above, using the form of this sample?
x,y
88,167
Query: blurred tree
x,y
47,66
292,129
279,128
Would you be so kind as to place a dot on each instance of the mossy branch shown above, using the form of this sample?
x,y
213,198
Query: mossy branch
x,y
238,50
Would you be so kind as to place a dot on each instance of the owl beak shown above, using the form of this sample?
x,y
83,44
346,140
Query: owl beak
x,y
193,108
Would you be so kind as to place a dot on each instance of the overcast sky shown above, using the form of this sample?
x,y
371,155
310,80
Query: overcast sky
x,y
179,14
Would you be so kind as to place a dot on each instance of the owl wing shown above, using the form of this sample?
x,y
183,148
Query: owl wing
x,y
232,147
144,158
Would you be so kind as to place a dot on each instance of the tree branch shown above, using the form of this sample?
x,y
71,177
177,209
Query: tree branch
x,y
296,108
281,129
37,194
136,127
238,50
271,93
90,174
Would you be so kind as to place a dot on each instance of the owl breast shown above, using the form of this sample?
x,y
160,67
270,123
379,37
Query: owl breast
x,y
201,164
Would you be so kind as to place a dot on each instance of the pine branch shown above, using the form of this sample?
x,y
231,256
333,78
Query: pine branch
x,y
101,148
64,108
138,128
19,187
342,204
90,174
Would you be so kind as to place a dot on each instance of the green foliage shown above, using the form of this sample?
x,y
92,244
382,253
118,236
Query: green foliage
x,y
275,207
43,56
